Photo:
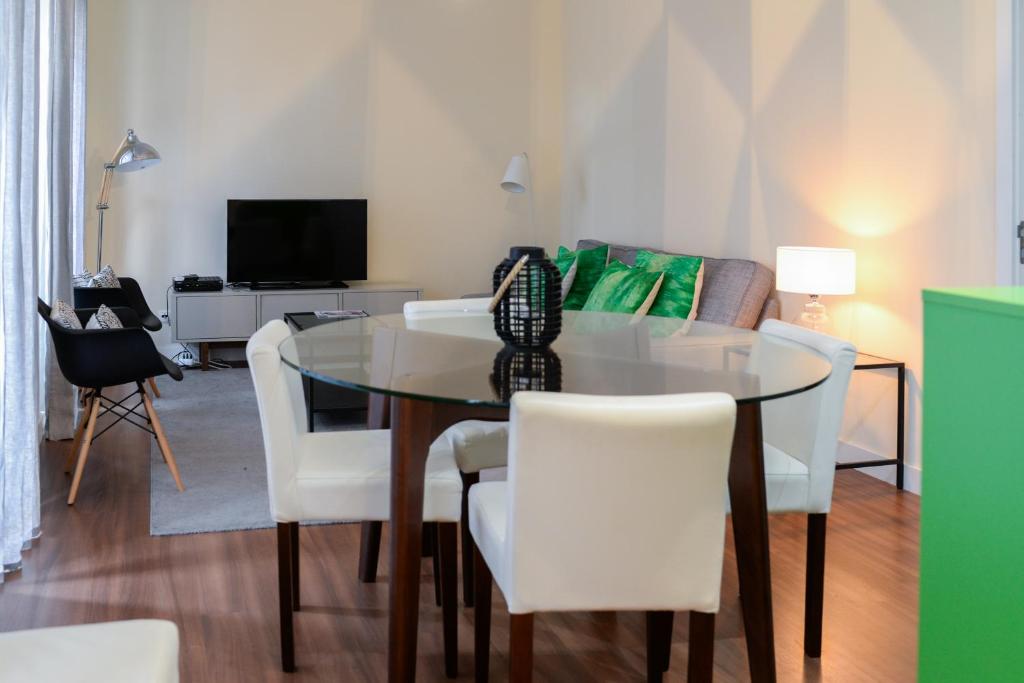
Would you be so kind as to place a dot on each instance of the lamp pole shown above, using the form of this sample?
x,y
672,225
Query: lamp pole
x,y
101,208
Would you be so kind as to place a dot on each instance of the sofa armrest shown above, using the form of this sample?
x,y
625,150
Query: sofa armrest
x,y
770,310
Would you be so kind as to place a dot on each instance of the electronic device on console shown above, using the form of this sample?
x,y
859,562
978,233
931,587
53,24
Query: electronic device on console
x,y
198,283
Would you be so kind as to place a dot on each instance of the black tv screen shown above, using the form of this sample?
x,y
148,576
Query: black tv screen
x,y
296,240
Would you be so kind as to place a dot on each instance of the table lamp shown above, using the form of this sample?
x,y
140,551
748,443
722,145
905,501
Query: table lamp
x,y
815,271
518,179
132,155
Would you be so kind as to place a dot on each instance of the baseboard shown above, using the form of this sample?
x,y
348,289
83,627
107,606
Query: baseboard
x,y
848,452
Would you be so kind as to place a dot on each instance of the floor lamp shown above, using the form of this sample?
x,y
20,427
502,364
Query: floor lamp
x,y
132,155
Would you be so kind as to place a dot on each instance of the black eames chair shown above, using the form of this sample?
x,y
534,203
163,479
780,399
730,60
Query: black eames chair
x,y
95,360
128,295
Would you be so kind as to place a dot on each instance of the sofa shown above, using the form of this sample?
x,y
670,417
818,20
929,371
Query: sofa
x,y
736,292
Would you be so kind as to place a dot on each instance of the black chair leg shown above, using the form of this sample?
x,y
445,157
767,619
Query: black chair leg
x,y
701,662
814,595
447,552
284,588
293,531
369,551
659,644
520,648
481,616
468,480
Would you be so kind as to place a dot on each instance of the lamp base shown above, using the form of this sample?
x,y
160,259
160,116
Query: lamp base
x,y
815,316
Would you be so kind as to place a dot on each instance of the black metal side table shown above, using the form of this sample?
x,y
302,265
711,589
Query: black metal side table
x,y
866,361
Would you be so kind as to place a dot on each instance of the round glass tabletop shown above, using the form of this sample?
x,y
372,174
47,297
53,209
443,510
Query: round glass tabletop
x,y
456,357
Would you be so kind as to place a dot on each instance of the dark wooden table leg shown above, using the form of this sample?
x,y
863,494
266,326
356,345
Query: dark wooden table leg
x,y
411,429
750,533
414,426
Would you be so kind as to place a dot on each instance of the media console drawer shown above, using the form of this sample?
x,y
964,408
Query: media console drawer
x,y
274,306
215,316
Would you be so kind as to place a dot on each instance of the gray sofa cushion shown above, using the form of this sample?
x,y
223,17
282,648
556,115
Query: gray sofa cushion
x,y
736,292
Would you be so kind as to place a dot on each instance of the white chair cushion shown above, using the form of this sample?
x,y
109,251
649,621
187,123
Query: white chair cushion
x,y
479,445
347,476
139,651
488,521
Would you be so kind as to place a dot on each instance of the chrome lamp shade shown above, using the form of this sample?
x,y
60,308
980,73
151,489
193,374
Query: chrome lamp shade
x,y
134,154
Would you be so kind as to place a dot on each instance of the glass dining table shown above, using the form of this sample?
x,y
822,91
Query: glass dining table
x,y
425,374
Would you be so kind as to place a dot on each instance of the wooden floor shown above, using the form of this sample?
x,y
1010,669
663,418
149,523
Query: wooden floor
x,y
97,562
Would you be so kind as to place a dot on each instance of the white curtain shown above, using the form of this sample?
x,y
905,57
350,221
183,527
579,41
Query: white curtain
x,y
19,362
41,66
63,157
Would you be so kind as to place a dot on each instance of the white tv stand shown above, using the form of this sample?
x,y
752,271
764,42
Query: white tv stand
x,y
235,313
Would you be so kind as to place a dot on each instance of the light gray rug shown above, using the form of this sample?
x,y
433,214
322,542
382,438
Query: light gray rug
x,y
213,427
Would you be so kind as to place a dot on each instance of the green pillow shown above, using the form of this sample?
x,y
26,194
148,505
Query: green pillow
x,y
680,291
590,264
624,290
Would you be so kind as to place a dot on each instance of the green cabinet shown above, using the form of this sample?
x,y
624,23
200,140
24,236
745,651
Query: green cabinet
x,y
972,505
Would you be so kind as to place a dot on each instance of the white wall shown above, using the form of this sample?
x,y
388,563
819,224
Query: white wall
x,y
721,128
415,105
729,128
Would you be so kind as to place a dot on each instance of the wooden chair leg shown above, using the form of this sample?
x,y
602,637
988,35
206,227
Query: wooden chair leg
x,y
448,553
76,444
430,529
161,438
369,551
90,428
468,480
293,530
284,591
520,648
659,644
481,616
701,662
152,385
814,594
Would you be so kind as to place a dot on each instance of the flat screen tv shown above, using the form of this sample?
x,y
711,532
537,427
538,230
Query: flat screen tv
x,y
296,242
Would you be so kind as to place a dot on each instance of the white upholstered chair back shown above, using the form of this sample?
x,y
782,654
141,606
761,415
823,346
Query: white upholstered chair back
x,y
616,502
806,426
282,407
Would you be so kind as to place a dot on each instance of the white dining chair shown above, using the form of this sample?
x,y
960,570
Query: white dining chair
x,y
801,438
611,503
338,476
443,308
135,651
479,445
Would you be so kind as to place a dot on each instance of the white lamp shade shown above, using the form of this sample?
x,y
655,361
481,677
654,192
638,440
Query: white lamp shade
x,y
816,270
517,175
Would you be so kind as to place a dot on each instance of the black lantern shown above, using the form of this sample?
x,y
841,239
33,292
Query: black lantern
x,y
525,370
529,313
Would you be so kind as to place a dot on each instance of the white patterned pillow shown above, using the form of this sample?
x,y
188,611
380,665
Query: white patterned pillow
x,y
104,319
83,279
105,278
64,315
